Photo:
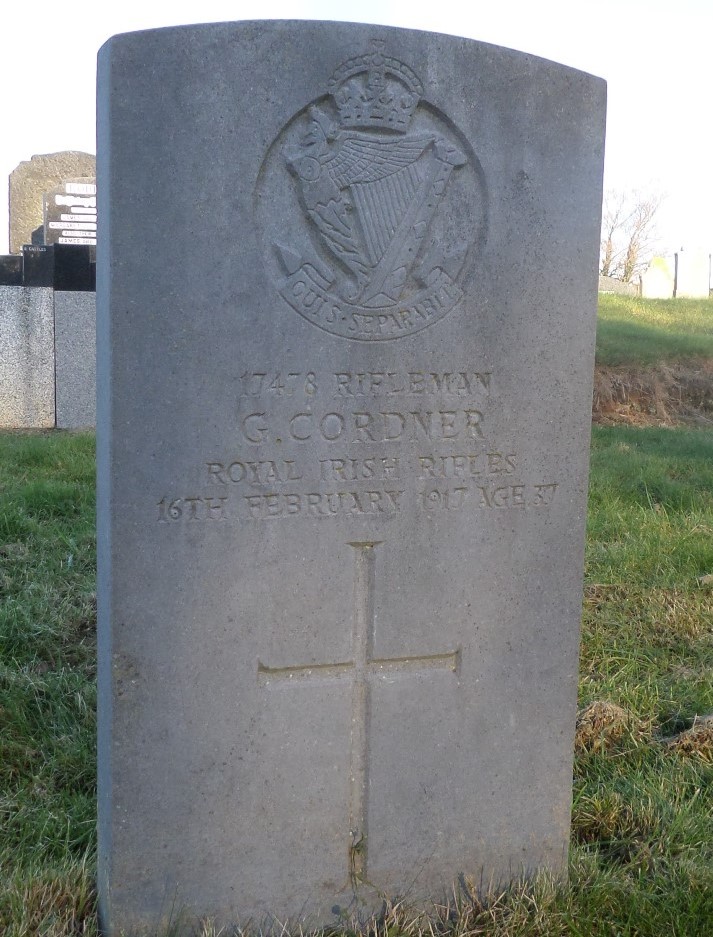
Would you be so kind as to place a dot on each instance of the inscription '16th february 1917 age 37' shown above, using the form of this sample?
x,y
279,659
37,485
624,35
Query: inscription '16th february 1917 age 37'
x,y
344,444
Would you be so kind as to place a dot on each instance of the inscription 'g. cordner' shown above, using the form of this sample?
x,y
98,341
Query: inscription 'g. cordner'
x,y
385,200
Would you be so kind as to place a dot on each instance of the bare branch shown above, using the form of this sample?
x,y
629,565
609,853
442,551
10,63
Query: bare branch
x,y
628,233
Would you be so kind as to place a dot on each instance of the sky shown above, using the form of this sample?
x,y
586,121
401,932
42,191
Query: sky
x,y
655,56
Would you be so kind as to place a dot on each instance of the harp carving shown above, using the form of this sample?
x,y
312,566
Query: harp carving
x,y
371,168
381,198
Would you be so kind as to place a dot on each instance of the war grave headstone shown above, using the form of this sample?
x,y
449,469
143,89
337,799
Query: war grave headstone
x,y
342,484
70,213
29,182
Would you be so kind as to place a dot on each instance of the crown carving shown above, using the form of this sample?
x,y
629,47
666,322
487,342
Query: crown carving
x,y
375,92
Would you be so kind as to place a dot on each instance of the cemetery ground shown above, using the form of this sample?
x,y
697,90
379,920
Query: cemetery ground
x,y
642,823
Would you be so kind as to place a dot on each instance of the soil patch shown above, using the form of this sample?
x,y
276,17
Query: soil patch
x,y
663,395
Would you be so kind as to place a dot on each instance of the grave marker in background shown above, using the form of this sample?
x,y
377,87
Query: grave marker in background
x,y
70,213
659,279
31,179
693,273
342,486
69,267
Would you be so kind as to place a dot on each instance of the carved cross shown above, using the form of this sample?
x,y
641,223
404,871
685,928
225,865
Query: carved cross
x,y
362,668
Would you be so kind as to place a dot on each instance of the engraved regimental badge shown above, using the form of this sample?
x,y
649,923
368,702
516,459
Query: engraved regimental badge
x,y
371,204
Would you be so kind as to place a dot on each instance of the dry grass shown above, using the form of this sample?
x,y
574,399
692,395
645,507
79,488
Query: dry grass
x,y
665,394
602,726
532,908
696,742
50,905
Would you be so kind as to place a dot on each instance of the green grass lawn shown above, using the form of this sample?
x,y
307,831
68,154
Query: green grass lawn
x,y
47,683
642,827
634,331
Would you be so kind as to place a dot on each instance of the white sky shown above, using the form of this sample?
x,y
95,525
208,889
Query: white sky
x,y
655,55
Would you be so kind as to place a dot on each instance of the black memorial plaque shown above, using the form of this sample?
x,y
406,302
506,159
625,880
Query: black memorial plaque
x,y
70,214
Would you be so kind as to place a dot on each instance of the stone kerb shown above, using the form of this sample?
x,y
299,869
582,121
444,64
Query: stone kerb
x,y
27,391
75,354
612,285
47,358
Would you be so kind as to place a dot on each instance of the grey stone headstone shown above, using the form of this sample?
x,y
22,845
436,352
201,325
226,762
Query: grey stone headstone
x,y
31,179
341,481
75,353
26,358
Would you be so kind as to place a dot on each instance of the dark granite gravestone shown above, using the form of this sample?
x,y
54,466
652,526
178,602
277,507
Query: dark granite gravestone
x,y
67,267
73,270
37,265
11,270
342,485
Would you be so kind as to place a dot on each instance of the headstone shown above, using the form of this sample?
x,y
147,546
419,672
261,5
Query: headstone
x,y
38,265
73,267
658,280
75,359
342,484
26,358
11,270
693,273
70,213
67,267
29,182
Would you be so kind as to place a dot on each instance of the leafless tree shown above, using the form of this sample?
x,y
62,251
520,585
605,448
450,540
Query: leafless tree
x,y
628,233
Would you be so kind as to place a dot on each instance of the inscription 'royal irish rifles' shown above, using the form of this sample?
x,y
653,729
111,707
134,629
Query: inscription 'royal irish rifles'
x,y
383,200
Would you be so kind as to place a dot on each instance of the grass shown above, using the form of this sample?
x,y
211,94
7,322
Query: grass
x,y
634,331
650,507
642,833
47,687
